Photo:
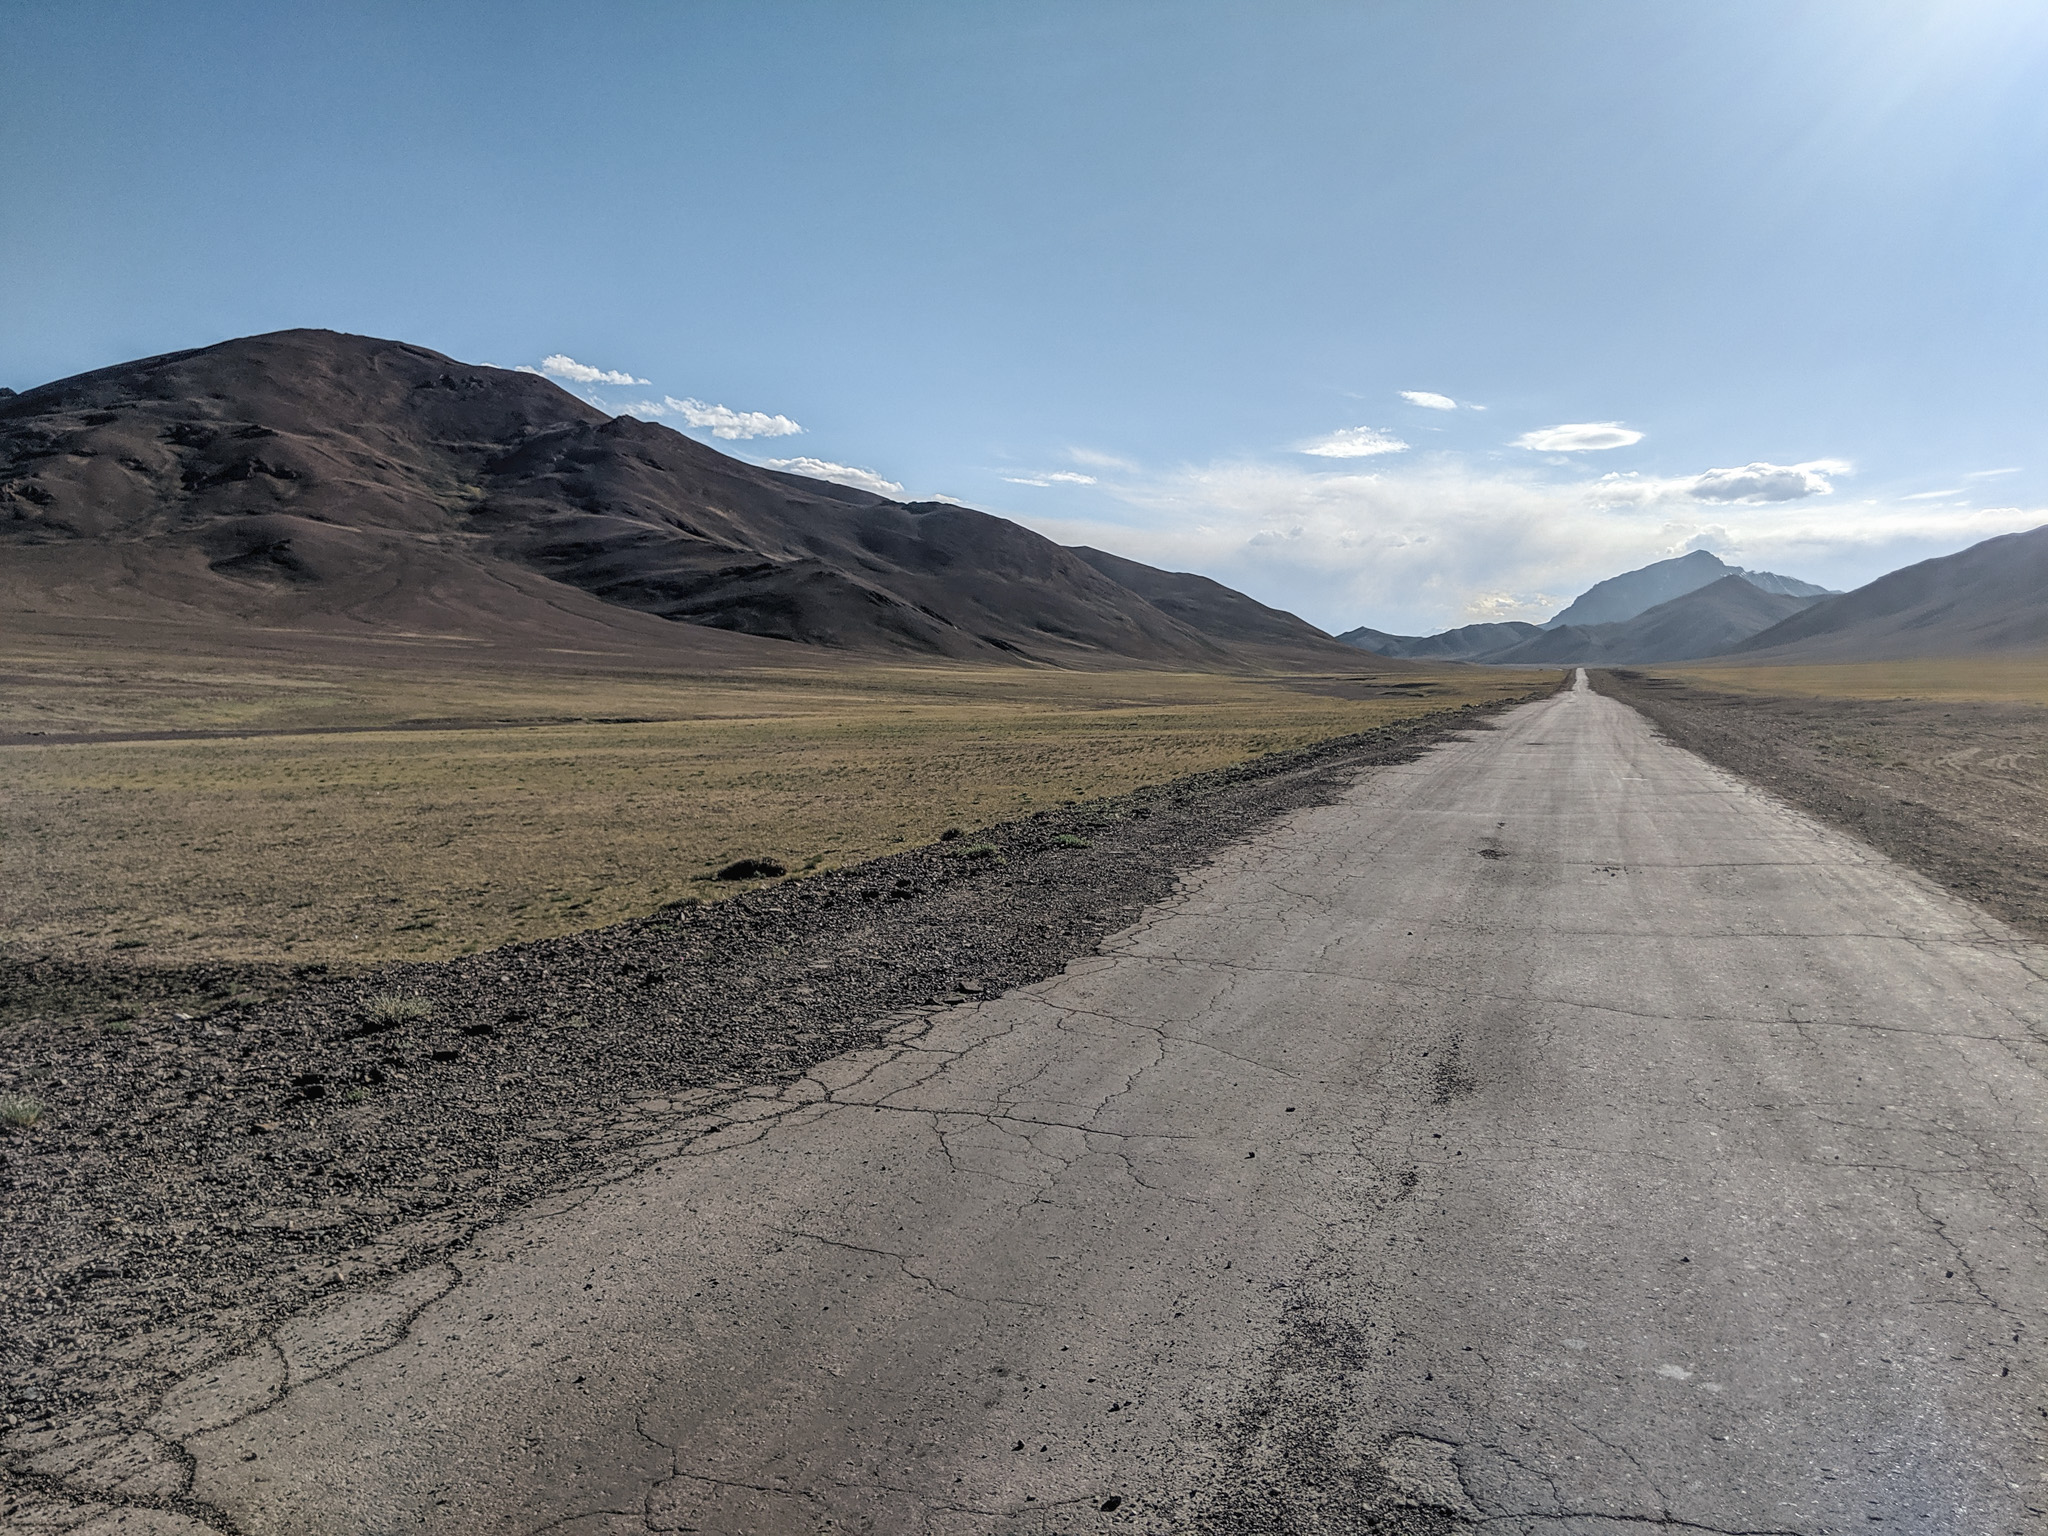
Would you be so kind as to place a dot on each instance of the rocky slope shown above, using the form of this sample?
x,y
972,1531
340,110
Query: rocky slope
x,y
312,480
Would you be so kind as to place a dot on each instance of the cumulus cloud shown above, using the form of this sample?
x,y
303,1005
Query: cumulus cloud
x,y
1057,477
558,366
723,421
1769,482
1354,443
1448,542
839,474
1579,437
1429,399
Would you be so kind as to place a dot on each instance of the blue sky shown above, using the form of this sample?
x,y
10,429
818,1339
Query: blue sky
x,y
1154,277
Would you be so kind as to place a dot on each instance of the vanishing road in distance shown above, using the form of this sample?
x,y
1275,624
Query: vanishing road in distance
x,y
1554,1135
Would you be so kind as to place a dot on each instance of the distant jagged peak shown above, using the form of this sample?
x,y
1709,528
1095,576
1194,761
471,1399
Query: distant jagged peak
x,y
1623,597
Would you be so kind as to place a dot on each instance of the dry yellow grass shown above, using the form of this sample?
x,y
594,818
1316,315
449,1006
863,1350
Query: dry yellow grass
x,y
2016,679
376,843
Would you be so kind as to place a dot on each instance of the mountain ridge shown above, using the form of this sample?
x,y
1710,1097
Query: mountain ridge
x,y
1988,598
1717,621
306,478
1620,598
1702,622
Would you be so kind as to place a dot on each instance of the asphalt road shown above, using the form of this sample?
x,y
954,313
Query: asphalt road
x,y
1554,1135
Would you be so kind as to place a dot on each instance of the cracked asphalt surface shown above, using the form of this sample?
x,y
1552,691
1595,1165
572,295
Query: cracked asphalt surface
x,y
1553,1135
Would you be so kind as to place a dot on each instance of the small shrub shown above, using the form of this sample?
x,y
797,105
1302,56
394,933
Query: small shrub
x,y
752,869
21,1111
388,1010
949,834
1068,840
980,851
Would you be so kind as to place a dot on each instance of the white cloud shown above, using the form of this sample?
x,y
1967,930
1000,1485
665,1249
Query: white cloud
x,y
1445,542
1429,399
1769,482
1354,443
1501,607
1057,477
558,366
1986,474
1579,437
839,474
1097,460
1933,495
725,422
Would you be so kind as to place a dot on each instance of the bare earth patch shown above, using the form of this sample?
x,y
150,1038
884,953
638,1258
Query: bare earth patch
x,y
1954,787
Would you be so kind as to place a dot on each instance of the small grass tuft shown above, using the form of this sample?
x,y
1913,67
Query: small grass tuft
x,y
20,1111
388,1010
980,851
1068,840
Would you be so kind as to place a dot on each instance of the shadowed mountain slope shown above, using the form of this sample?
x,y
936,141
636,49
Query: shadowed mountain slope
x,y
1206,606
1990,597
1702,622
1620,598
312,480
1471,642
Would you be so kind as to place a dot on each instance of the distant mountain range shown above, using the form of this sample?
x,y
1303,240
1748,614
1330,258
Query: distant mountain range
x,y
1694,605
1620,598
316,483
1987,598
307,480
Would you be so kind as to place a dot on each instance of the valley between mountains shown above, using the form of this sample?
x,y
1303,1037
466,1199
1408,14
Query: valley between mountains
x,y
560,981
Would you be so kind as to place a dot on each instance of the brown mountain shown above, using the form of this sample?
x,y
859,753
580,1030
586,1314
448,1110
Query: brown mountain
x,y
1205,606
317,481
1990,597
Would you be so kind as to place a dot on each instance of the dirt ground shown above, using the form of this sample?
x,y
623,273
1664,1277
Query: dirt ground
x,y
210,1165
1954,787
278,806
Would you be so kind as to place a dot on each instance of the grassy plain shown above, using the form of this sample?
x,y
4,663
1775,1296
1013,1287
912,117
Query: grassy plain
x,y
2015,679
553,798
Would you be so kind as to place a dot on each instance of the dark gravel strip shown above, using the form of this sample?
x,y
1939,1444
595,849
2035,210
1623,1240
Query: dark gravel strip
x,y
194,1178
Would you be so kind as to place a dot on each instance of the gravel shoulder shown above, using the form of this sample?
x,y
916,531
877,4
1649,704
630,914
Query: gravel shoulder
x,y
253,1140
1954,789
